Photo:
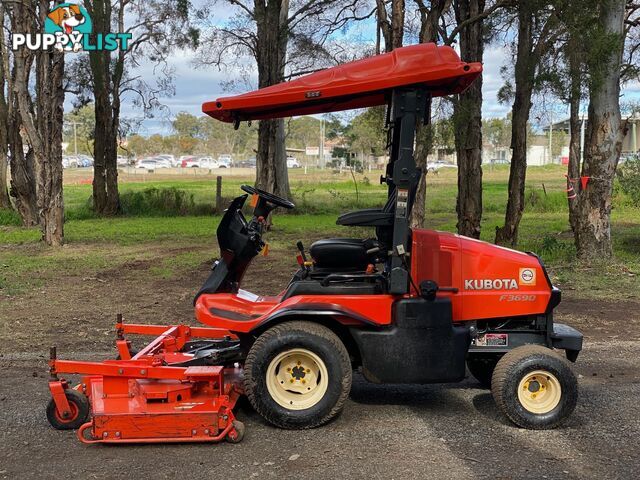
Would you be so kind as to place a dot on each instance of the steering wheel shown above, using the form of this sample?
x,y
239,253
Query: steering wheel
x,y
269,197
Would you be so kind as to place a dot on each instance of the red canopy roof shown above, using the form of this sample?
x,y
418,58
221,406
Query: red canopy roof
x,y
359,84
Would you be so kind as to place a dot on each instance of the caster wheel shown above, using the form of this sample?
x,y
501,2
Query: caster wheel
x,y
79,404
238,435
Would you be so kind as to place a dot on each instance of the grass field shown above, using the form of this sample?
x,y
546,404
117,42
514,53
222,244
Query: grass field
x,y
95,243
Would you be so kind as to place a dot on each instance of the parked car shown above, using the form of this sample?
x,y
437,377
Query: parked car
x,y
225,161
153,163
170,158
147,163
292,162
122,161
184,159
201,162
70,162
248,163
85,161
162,162
439,165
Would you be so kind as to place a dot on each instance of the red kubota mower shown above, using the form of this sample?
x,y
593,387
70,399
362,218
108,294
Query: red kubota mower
x,y
405,305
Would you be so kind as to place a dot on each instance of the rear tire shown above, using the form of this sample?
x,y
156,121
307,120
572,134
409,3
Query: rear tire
x,y
298,375
481,366
534,387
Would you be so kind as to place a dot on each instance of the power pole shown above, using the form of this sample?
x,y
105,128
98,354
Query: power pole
x,y
321,152
75,137
550,137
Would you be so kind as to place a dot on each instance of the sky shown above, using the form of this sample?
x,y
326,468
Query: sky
x,y
195,86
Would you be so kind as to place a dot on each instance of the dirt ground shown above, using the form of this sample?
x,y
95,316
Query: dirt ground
x,y
391,432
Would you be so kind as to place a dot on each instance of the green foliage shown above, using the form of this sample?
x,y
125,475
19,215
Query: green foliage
x,y
367,132
629,178
85,124
536,200
497,131
444,135
157,202
9,217
553,249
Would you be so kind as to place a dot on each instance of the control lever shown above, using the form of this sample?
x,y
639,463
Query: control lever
x,y
301,250
302,257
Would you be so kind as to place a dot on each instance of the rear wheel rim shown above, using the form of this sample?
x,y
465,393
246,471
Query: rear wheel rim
x,y
297,379
539,392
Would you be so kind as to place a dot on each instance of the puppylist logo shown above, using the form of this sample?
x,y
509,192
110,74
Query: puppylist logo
x,y
68,28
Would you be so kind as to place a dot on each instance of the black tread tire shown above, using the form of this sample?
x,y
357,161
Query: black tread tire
x,y
510,370
314,337
239,427
81,403
482,366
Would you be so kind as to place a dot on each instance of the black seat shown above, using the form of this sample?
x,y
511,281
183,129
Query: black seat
x,y
350,254
343,254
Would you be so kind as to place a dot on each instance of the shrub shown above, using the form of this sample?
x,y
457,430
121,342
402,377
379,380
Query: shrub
x,y
10,217
157,201
629,178
538,201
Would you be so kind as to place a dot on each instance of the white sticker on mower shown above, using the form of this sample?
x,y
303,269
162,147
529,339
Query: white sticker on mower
x,y
487,284
492,340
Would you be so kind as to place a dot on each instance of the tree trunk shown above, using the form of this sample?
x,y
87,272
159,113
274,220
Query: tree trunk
x,y
50,100
106,198
604,136
23,183
272,34
468,124
392,29
5,201
43,126
573,167
424,134
397,23
524,76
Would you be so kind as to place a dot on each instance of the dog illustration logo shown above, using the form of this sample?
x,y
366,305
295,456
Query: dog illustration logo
x,y
68,28
69,22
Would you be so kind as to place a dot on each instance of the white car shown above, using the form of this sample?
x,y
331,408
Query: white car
x,y
153,163
147,164
169,158
202,162
292,162
225,161
436,166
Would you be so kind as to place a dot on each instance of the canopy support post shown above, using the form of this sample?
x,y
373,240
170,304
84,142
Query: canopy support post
x,y
408,107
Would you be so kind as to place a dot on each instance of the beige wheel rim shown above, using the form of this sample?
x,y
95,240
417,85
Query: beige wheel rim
x,y
297,379
539,392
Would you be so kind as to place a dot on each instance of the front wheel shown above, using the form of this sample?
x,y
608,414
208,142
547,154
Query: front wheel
x,y
535,387
297,375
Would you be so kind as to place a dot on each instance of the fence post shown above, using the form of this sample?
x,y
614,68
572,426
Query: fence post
x,y
218,194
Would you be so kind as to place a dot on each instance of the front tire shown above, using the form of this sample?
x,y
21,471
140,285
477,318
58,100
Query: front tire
x,y
534,387
298,375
